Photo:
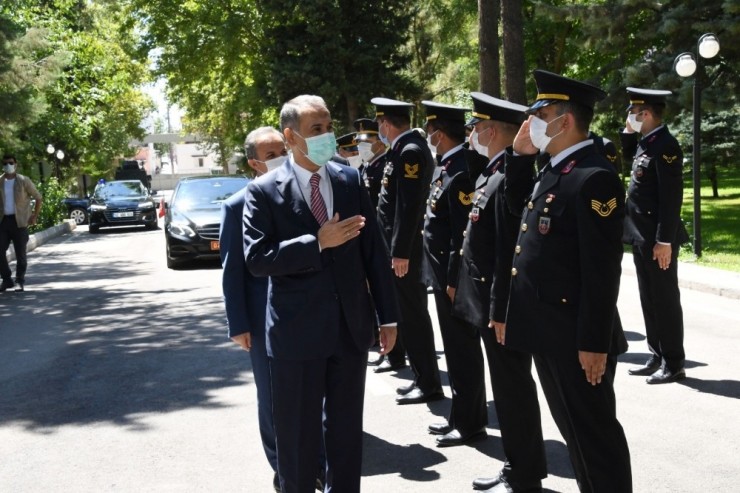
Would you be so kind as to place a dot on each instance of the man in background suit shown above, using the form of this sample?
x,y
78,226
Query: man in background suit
x,y
319,314
245,296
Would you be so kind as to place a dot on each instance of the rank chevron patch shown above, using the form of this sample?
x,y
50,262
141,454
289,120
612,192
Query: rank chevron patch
x,y
466,198
411,170
604,210
669,159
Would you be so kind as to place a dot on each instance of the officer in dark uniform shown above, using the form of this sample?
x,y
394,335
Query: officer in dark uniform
x,y
347,148
449,201
406,177
482,294
654,229
372,153
565,280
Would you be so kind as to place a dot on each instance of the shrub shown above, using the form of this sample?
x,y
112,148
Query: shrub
x,y
53,211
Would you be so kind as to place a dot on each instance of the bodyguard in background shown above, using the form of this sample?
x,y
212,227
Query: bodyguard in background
x,y
482,294
16,192
309,226
654,229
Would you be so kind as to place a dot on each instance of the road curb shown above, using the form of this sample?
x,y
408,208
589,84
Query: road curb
x,y
38,239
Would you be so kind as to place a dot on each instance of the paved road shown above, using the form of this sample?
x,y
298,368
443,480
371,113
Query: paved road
x,y
116,375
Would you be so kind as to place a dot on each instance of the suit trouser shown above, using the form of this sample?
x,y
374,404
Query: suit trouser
x,y
661,306
9,231
518,411
302,393
416,330
464,368
261,373
586,416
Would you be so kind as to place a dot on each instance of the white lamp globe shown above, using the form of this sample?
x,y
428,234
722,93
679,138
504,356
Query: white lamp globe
x,y
685,65
708,46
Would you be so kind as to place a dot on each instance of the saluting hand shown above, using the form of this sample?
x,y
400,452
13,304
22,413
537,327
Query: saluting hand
x,y
335,232
523,142
594,364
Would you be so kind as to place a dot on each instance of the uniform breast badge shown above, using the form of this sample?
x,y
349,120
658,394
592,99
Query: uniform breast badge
x,y
474,214
544,226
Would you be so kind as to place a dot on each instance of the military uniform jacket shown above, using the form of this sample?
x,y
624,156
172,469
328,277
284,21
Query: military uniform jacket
x,y
406,176
450,198
485,267
567,261
655,192
372,176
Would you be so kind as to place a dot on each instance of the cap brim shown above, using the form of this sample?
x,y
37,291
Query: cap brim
x,y
541,103
473,120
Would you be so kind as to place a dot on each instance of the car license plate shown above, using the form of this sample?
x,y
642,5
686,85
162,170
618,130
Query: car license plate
x,y
123,214
215,245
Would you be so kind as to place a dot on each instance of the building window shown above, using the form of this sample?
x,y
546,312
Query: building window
x,y
200,162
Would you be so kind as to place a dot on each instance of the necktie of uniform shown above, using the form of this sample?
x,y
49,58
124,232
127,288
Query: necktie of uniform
x,y
542,172
318,207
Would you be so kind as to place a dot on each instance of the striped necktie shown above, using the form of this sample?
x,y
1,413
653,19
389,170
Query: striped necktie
x,y
318,207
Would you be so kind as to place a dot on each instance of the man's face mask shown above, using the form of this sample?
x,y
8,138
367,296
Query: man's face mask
x,y
538,132
321,148
632,119
9,168
366,151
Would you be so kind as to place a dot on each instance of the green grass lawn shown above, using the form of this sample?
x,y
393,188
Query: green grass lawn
x,y
720,221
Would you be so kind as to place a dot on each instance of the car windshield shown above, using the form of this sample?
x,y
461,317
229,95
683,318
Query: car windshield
x,y
120,189
206,194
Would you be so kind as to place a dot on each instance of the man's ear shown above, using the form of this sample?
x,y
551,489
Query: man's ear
x,y
290,137
254,165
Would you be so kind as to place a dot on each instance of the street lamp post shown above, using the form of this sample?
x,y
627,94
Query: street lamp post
x,y
686,65
59,155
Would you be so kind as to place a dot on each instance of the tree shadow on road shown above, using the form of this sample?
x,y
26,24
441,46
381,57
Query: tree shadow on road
x,y
411,462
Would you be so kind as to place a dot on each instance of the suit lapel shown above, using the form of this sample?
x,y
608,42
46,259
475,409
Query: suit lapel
x,y
339,188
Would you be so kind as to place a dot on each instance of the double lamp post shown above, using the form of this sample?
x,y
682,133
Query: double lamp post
x,y
686,65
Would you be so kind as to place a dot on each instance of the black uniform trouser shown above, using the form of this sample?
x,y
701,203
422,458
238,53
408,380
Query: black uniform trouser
x,y
661,306
518,411
416,331
9,231
464,368
586,416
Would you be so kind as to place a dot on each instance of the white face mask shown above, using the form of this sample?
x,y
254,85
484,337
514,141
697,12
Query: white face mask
x,y
9,168
432,147
366,151
355,161
383,137
632,119
538,132
275,163
477,146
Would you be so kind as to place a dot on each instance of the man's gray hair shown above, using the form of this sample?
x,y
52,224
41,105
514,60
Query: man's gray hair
x,y
291,111
250,143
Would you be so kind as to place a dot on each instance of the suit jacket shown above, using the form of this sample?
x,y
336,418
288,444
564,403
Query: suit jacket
x,y
311,291
567,262
23,192
485,268
655,192
372,175
448,205
245,296
408,171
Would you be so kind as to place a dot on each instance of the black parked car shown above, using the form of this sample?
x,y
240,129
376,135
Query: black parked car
x,y
122,203
193,217
77,209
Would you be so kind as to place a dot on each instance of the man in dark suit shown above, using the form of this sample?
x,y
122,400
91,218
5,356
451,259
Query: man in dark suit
x,y
447,208
482,294
406,176
654,229
319,316
565,281
245,296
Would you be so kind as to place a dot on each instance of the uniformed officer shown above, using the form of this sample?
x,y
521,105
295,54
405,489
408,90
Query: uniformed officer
x,y
449,201
408,171
565,281
483,293
654,229
347,148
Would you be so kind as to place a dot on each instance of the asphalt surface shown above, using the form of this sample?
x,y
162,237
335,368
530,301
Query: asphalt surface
x,y
116,375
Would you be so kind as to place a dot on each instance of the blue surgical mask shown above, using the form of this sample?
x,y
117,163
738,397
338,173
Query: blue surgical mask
x,y
320,148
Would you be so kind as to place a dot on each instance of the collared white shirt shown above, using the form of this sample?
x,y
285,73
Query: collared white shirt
x,y
560,156
451,152
651,133
304,181
401,135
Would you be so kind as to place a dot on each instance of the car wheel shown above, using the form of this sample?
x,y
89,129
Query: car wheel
x,y
94,229
171,262
79,215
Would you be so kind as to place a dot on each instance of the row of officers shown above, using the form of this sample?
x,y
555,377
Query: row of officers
x,y
515,219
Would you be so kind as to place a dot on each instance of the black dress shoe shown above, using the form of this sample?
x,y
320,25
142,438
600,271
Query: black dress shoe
x,y
386,366
487,483
375,361
650,367
501,484
664,375
405,389
20,287
417,396
455,438
6,284
439,428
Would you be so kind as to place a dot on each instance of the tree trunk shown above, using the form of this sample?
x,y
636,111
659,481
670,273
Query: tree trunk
x,y
488,59
514,76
